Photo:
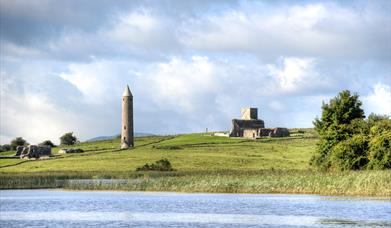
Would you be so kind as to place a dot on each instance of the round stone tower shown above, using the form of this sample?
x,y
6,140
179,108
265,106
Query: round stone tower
x,y
127,137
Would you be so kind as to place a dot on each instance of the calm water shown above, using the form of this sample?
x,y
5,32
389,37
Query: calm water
x,y
52,208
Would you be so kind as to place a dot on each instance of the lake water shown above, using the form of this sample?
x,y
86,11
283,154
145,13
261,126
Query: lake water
x,y
53,208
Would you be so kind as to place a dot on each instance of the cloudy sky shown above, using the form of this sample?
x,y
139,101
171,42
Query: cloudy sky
x,y
191,65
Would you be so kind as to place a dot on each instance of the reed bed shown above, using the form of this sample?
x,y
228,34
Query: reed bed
x,y
357,183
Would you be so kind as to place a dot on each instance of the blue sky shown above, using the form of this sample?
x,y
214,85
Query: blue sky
x,y
191,65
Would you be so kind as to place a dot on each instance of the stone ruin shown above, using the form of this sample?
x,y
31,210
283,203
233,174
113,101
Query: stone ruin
x,y
33,151
249,126
274,132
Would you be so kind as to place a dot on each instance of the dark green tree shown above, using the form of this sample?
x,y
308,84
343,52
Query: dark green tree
x,y
68,139
5,147
335,125
18,141
47,143
341,110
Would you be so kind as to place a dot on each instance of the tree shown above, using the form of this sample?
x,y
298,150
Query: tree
x,y
340,120
47,143
18,141
341,110
374,118
68,139
5,147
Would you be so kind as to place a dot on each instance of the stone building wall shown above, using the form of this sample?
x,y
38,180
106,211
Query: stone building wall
x,y
250,133
249,113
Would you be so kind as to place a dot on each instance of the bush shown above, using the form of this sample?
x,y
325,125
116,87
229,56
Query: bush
x,y
350,154
380,151
68,139
161,165
47,143
18,141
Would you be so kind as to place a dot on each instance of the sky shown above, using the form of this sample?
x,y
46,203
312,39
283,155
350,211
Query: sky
x,y
190,65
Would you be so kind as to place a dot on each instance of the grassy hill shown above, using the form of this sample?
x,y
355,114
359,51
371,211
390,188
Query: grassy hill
x,y
203,163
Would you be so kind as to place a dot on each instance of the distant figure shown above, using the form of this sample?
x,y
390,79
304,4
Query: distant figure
x,y
127,139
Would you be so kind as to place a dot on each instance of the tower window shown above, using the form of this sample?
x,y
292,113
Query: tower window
x,y
125,127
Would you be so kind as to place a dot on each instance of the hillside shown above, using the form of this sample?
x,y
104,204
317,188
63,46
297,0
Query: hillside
x,y
191,152
203,163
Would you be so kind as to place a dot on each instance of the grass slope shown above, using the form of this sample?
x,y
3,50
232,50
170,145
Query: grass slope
x,y
204,163
193,152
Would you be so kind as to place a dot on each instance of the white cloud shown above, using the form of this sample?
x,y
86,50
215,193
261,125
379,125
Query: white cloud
x,y
179,83
188,69
98,81
323,30
379,100
298,75
43,106
141,31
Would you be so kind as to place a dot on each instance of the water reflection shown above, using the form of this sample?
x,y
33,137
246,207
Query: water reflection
x,y
48,208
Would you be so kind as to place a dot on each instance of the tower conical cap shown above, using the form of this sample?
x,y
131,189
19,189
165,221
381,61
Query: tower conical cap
x,y
127,92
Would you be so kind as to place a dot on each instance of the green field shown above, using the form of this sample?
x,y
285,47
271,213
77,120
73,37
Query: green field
x,y
203,163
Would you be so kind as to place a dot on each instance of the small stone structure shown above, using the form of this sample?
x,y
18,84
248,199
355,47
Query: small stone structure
x,y
249,126
33,151
279,132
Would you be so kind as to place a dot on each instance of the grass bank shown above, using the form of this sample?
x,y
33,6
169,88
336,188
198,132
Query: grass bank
x,y
204,163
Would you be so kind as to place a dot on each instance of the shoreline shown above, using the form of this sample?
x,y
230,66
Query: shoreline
x,y
361,197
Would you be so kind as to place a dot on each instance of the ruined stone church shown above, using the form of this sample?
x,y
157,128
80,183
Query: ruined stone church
x,y
249,126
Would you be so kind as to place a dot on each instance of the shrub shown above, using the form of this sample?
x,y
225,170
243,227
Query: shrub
x,y
161,165
18,141
380,151
68,139
350,154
